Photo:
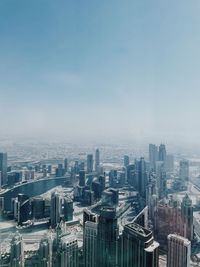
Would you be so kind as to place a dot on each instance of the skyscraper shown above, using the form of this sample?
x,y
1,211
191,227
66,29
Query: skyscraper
x,y
153,155
89,163
97,160
161,179
107,238
162,153
139,247
3,168
142,177
187,215
82,178
55,209
90,244
44,252
179,251
66,165
126,161
16,252
184,170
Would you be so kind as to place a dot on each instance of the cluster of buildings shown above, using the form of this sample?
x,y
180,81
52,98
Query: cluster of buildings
x,y
127,213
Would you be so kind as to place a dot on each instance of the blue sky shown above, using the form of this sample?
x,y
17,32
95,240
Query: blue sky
x,y
98,69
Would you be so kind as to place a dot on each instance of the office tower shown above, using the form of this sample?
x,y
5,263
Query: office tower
x,y
161,179
187,215
102,181
97,160
107,238
60,171
69,252
55,209
89,163
16,251
82,178
49,169
112,178
132,177
3,168
90,244
179,251
23,209
67,209
153,156
44,252
139,247
162,153
184,170
126,161
66,165
142,178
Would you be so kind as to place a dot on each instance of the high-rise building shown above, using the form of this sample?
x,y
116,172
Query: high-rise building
x,y
187,215
90,244
179,251
66,165
97,160
142,177
126,161
89,163
132,177
3,168
44,252
161,179
82,178
153,155
107,238
17,251
184,170
139,247
67,209
69,252
55,209
162,153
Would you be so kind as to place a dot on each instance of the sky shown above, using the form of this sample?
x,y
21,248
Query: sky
x,y
100,69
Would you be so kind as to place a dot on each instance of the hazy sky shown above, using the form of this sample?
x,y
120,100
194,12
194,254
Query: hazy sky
x,y
100,68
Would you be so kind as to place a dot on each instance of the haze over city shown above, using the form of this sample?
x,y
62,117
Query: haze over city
x,y
100,69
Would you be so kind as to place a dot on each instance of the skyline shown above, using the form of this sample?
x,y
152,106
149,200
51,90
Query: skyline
x,y
100,70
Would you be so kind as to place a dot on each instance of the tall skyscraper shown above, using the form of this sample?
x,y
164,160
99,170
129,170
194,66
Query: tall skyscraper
x,y
67,209
161,179
44,252
97,160
142,177
90,244
139,247
17,251
179,251
55,209
3,168
187,215
66,165
82,178
89,163
107,238
162,153
184,170
126,161
153,155
69,252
